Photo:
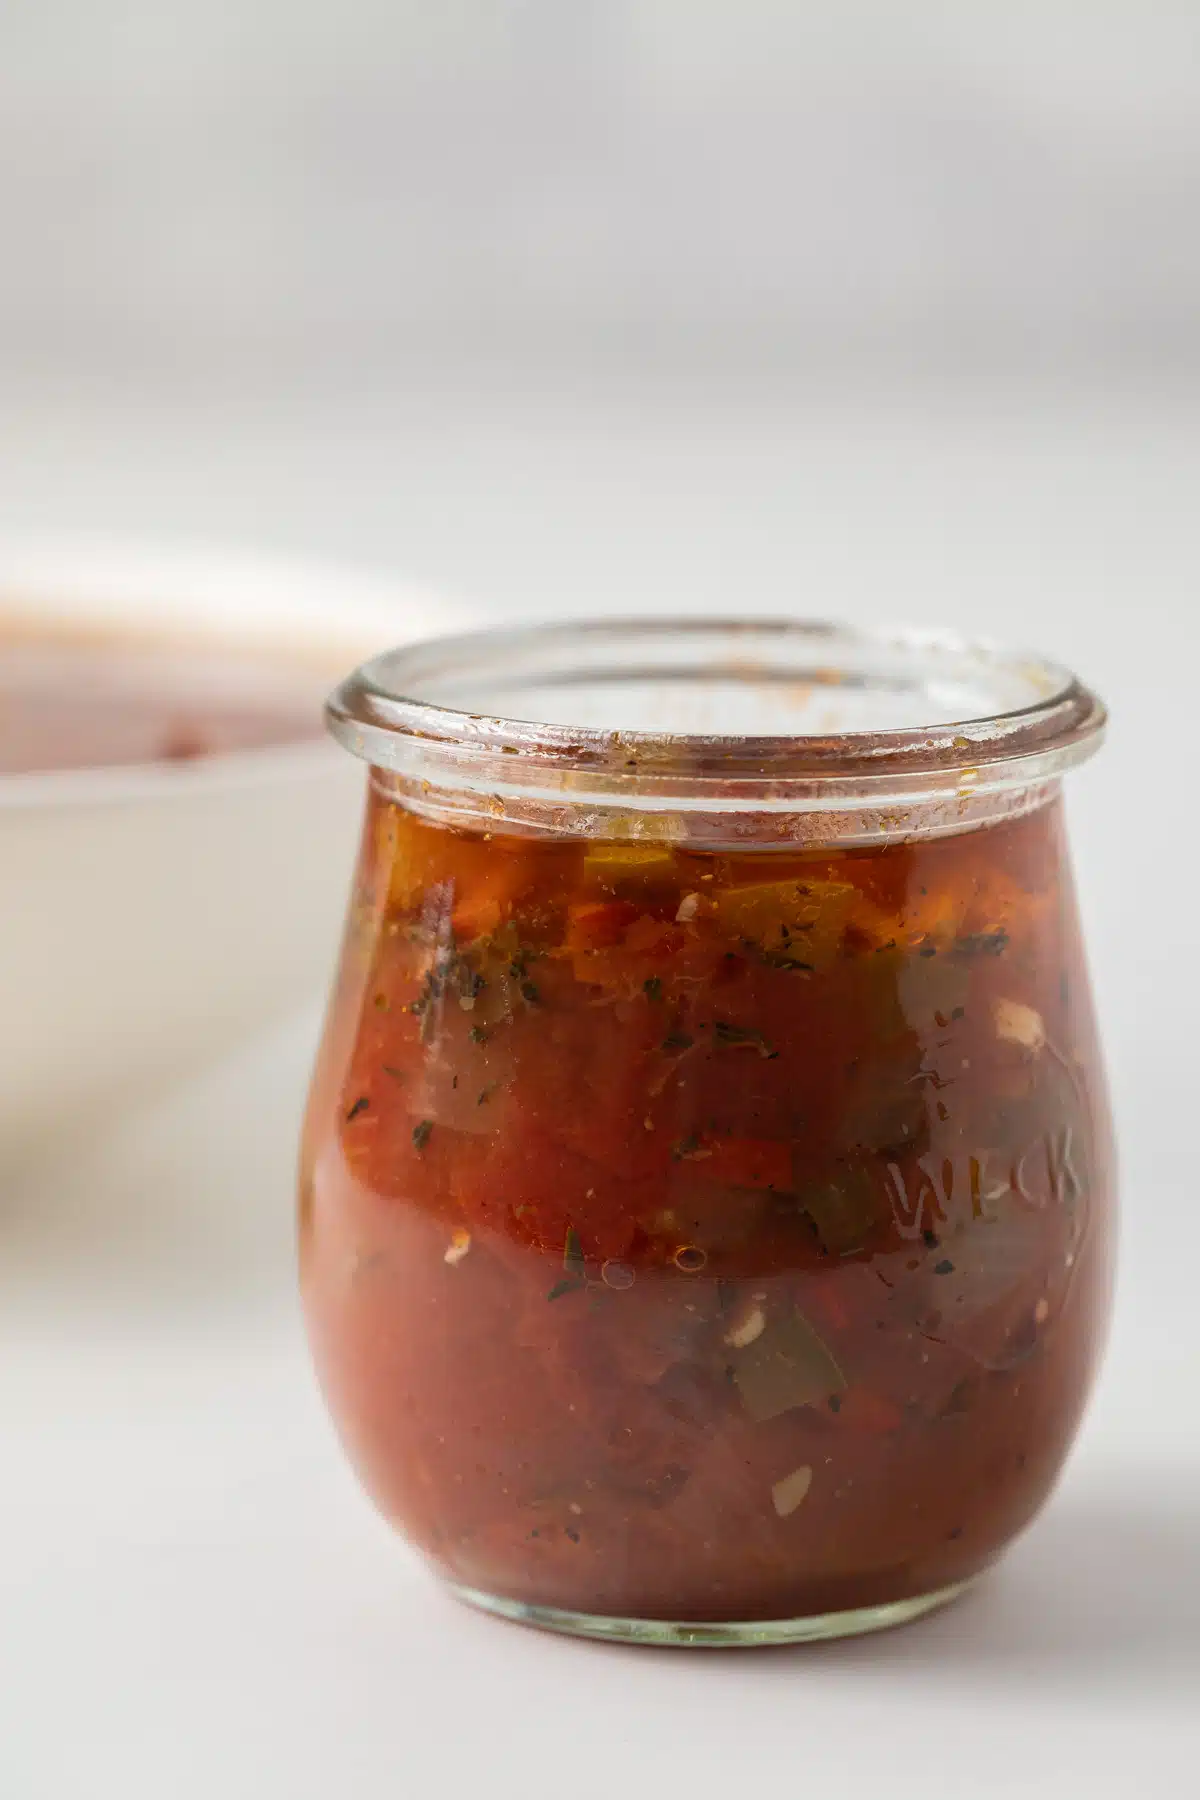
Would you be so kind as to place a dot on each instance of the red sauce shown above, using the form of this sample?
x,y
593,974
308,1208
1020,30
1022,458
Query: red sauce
x,y
699,1236
111,703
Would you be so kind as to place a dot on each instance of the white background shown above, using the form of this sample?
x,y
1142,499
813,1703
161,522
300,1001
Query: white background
x,y
380,177
565,308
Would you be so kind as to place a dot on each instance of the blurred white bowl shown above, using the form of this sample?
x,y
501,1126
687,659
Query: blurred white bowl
x,y
152,916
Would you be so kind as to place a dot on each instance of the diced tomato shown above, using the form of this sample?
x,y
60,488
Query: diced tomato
x,y
535,1187
644,951
484,898
864,1410
476,917
870,924
826,1301
598,924
747,1162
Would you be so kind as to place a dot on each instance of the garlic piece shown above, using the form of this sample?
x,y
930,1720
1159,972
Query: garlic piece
x,y
787,1494
1017,1023
749,1326
460,1243
689,906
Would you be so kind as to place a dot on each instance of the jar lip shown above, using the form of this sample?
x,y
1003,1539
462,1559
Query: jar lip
x,y
390,707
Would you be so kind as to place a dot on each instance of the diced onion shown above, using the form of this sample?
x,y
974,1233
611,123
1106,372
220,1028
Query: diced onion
x,y
458,1246
1017,1023
748,1327
787,1494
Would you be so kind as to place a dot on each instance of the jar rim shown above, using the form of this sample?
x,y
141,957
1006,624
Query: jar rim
x,y
418,699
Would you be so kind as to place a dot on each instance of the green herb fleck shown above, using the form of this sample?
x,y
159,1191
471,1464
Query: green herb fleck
x,y
835,1403
738,1035
573,1253
959,1399
469,983
687,1146
530,994
395,1073
478,1035
361,1105
982,943
422,1132
652,987
677,1040
945,1267
574,1276
931,1239
777,959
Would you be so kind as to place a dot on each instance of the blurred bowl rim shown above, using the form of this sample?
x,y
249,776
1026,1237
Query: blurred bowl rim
x,y
179,595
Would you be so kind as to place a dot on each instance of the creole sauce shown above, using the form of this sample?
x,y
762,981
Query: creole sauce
x,y
704,1236
112,701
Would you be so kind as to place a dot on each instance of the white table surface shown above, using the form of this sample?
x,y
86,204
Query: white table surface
x,y
194,1599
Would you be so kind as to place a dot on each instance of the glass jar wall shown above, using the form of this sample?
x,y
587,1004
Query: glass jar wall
x,y
705,1217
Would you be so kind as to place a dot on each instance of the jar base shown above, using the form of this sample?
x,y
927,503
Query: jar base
x,y
737,1634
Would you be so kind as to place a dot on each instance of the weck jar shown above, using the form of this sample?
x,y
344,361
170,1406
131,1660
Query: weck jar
x,y
706,1204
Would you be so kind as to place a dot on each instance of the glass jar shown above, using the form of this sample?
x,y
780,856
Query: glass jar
x,y
706,1207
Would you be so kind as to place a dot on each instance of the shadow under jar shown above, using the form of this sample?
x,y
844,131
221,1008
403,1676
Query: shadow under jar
x,y
706,1204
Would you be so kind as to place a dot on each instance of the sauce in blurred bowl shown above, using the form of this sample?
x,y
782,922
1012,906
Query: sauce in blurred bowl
x,y
175,834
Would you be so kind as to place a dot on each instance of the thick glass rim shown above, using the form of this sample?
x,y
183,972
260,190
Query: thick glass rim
x,y
389,699
410,714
